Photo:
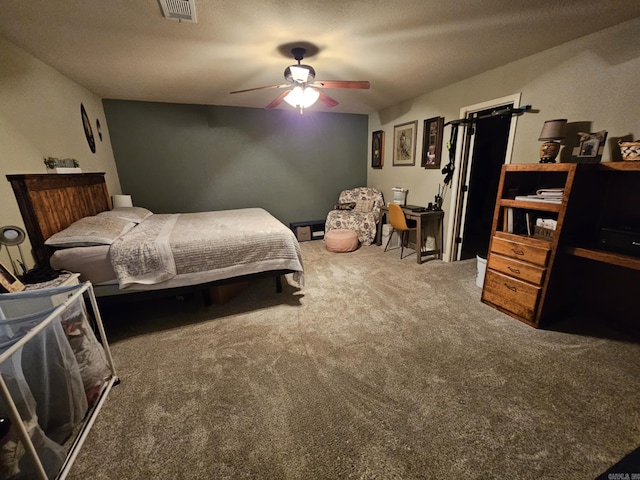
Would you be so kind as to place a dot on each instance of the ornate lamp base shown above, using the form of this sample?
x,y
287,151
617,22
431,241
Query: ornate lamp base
x,y
549,151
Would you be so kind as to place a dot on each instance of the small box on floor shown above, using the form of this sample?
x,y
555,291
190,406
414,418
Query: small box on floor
x,y
223,293
303,234
308,230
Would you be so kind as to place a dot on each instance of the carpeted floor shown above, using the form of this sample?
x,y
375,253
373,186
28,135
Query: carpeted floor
x,y
377,368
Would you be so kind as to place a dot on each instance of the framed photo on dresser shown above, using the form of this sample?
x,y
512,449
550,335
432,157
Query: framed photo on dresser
x,y
8,281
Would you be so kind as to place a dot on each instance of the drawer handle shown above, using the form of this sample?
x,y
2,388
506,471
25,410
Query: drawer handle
x,y
517,252
514,270
513,289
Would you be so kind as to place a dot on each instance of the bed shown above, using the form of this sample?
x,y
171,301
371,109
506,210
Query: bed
x,y
71,226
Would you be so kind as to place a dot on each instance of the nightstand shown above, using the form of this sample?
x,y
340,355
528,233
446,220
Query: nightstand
x,y
63,280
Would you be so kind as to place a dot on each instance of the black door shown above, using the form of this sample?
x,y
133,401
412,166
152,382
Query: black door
x,y
487,158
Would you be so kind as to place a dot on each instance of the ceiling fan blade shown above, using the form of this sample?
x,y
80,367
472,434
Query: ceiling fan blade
x,y
326,100
278,100
260,88
341,84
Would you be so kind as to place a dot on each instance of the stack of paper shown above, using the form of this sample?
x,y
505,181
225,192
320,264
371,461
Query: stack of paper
x,y
550,192
552,195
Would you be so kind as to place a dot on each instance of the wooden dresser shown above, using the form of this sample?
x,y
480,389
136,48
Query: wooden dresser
x,y
539,275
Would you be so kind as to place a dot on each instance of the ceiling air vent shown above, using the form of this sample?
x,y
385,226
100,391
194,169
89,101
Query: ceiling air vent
x,y
179,10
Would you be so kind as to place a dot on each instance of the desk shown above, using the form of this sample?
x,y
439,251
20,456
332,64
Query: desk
x,y
421,218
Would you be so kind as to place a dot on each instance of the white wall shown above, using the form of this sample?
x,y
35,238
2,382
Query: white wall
x,y
40,117
593,79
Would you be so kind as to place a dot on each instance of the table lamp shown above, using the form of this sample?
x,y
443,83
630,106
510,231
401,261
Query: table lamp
x,y
552,130
120,201
11,236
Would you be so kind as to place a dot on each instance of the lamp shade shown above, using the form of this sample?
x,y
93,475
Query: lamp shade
x,y
553,129
302,74
120,201
11,235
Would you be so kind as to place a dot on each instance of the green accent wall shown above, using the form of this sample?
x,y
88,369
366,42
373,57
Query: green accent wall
x,y
176,158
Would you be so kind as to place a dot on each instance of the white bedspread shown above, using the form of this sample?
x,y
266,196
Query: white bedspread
x,y
171,250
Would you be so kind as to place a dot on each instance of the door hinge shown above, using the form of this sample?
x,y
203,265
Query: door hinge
x,y
471,131
464,188
458,239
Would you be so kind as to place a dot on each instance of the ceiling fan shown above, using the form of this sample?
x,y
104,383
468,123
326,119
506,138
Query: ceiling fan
x,y
302,88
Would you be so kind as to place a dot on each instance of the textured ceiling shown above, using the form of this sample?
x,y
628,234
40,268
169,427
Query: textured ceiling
x,y
126,49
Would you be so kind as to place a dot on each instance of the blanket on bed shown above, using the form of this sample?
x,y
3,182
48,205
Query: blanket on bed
x,y
202,247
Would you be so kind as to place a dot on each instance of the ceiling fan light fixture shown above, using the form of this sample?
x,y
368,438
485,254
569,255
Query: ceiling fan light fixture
x,y
302,89
299,74
301,97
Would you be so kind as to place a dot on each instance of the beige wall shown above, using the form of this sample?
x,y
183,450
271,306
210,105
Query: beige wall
x,y
40,117
593,79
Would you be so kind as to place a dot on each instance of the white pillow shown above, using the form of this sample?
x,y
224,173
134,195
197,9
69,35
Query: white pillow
x,y
89,231
363,206
133,214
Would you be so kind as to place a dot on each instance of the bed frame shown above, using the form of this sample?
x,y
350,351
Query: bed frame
x,y
50,203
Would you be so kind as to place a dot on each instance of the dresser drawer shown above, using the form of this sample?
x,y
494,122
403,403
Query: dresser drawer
x,y
511,294
520,251
516,269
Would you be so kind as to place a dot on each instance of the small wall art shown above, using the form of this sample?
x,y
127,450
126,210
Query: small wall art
x,y
377,149
404,144
62,165
432,142
87,129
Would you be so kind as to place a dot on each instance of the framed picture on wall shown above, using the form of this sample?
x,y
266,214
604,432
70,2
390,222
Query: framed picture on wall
x,y
432,142
377,149
404,144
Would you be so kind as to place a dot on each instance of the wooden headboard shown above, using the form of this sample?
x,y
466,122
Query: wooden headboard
x,y
50,202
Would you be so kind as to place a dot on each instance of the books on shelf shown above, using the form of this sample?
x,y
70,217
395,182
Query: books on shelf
x,y
551,195
539,198
550,192
522,222
508,220
517,221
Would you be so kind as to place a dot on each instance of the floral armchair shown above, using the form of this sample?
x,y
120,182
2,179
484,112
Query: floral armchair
x,y
357,209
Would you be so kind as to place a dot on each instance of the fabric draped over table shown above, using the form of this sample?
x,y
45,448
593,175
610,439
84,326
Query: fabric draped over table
x,y
188,248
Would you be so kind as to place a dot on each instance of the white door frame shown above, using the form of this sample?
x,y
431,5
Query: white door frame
x,y
458,202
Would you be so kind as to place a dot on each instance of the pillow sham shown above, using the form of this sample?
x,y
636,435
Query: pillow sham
x,y
344,206
89,231
363,206
92,263
133,214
